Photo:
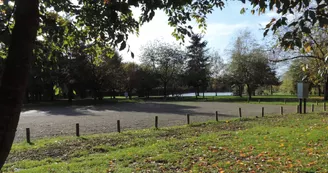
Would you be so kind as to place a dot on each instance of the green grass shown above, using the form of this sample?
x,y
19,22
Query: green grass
x,y
289,143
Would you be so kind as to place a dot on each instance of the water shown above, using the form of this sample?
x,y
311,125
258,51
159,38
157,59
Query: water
x,y
207,94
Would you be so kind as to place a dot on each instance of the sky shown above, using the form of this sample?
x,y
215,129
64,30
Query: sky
x,y
222,27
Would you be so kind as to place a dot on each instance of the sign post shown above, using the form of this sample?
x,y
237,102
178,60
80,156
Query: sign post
x,y
302,94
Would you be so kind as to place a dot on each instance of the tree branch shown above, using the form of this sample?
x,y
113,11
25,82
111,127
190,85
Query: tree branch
x,y
315,42
295,57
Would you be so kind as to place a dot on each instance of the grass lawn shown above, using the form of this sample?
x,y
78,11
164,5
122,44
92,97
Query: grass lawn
x,y
290,143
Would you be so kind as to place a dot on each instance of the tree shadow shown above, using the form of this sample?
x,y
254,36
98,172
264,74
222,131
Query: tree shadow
x,y
103,109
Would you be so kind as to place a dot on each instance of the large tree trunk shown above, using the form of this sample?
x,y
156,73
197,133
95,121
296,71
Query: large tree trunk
x,y
15,76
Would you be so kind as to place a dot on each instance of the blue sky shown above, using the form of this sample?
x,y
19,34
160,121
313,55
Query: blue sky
x,y
223,26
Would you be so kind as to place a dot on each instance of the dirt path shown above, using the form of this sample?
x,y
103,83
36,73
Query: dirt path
x,y
52,121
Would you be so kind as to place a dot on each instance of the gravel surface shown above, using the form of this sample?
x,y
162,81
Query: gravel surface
x,y
54,121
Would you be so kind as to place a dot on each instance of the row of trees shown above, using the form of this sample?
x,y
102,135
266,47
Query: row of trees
x,y
165,69
196,67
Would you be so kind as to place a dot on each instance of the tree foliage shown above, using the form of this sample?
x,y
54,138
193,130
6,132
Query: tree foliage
x,y
250,65
198,64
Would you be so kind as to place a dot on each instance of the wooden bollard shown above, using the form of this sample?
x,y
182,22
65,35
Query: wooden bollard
x,y
77,127
188,119
118,126
324,106
240,113
216,116
312,107
282,110
156,122
28,135
262,111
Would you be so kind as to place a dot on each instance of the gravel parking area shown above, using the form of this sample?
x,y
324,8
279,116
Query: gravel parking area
x,y
54,121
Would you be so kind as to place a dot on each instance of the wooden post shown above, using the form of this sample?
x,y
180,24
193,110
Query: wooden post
x,y
188,119
77,127
240,113
156,122
324,106
118,126
28,135
300,106
312,107
282,110
216,116
298,109
304,101
262,111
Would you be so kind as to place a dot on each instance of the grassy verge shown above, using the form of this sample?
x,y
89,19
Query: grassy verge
x,y
290,143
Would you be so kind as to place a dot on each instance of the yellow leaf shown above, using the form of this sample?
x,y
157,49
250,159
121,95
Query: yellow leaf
x,y
311,163
270,160
307,47
281,145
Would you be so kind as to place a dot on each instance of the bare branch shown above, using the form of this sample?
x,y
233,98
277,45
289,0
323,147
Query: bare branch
x,y
295,57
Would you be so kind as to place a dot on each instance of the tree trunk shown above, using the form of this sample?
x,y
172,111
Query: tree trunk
x,y
249,92
319,90
197,92
240,91
164,84
271,90
52,94
27,96
15,76
70,93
